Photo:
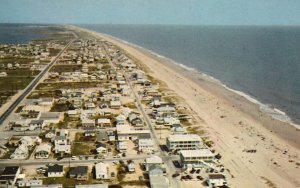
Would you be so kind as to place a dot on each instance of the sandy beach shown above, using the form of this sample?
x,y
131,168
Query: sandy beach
x,y
232,122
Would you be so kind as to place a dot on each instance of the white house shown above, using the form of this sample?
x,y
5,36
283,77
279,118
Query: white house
x,y
146,145
50,134
103,122
184,142
43,151
154,160
195,158
131,166
102,171
20,153
56,171
29,183
122,146
28,141
216,180
62,149
85,122
101,148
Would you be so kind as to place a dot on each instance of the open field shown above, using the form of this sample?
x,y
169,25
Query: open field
x,y
5,61
67,85
14,83
65,68
20,72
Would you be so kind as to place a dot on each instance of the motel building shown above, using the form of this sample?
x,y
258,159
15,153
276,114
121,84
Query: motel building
x,y
195,158
183,142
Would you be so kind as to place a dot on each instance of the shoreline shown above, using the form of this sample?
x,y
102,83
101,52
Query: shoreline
x,y
232,122
273,114
270,109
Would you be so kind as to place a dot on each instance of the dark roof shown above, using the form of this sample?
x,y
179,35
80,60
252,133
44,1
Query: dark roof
x,y
6,178
144,136
78,170
36,121
10,170
101,145
216,176
56,168
156,167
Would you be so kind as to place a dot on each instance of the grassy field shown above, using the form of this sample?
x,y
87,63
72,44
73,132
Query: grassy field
x,y
67,85
5,61
20,72
65,68
39,94
14,83
82,148
69,182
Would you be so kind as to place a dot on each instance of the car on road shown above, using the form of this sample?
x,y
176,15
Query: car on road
x,y
73,157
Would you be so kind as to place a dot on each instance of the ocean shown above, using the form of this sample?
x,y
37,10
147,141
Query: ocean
x,y
259,62
19,33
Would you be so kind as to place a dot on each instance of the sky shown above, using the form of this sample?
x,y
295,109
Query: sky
x,y
173,12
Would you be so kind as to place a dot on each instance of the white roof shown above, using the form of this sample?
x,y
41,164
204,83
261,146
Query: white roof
x,y
146,142
101,168
115,103
154,159
43,147
184,137
103,120
197,153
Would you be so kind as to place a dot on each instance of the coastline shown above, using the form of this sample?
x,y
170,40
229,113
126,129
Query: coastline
x,y
232,122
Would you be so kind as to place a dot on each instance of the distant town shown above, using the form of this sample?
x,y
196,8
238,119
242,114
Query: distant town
x,y
93,117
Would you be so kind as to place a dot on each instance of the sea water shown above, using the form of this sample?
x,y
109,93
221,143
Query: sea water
x,y
261,63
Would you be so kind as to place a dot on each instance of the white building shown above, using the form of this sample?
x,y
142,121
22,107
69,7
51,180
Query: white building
x,y
29,183
102,171
146,145
216,180
183,142
43,151
20,152
124,132
56,171
195,158
122,146
154,160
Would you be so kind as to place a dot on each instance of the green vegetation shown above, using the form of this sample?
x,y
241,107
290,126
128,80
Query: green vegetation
x,y
56,107
82,148
6,60
67,85
54,51
79,137
66,182
20,72
40,94
65,68
14,83
131,105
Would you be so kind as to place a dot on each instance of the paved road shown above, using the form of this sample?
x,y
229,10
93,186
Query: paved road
x,y
37,162
167,159
33,84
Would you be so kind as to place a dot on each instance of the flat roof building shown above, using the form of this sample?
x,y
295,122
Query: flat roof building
x,y
184,142
195,158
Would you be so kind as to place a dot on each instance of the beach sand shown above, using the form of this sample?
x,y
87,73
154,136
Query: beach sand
x,y
232,122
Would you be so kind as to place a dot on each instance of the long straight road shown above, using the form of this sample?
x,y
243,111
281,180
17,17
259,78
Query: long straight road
x,y
34,83
167,159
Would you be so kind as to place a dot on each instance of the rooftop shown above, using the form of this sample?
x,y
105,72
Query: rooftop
x,y
184,137
197,153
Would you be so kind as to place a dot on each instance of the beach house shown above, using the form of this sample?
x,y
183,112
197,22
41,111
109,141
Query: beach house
x,y
195,158
178,142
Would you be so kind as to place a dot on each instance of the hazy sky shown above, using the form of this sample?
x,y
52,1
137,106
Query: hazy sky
x,y
195,12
